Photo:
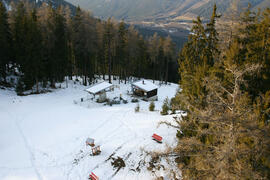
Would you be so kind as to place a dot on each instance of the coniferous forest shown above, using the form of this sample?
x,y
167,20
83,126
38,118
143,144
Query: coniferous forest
x,y
223,72
225,77
43,45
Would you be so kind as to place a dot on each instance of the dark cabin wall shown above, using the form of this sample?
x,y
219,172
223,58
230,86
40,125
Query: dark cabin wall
x,y
152,93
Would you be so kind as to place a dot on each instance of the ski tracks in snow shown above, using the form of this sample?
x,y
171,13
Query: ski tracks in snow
x,y
32,155
126,124
26,144
122,120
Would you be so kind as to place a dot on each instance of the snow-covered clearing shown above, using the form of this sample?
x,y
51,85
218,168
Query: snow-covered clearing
x,y
43,136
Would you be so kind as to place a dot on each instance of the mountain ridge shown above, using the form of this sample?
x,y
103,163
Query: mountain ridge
x,y
54,3
141,10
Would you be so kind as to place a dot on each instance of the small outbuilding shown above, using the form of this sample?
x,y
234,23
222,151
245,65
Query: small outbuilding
x,y
145,89
90,142
100,89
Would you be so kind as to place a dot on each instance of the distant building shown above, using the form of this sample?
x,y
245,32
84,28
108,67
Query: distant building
x,y
90,142
145,89
100,89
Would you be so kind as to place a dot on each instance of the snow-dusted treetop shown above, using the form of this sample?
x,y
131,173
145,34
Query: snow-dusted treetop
x,y
145,85
96,88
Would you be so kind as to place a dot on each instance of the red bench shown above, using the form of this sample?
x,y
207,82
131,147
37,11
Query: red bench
x,y
157,138
92,176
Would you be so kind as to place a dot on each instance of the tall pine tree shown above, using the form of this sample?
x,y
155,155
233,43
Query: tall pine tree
x,y
5,42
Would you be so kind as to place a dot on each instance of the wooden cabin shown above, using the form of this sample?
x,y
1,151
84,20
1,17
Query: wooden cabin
x,y
100,89
145,89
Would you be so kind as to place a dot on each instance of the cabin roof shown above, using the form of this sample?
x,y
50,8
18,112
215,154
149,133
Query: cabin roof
x,y
145,85
96,88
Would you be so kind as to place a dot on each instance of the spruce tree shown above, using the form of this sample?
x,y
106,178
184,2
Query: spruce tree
x,y
161,60
60,51
33,62
165,106
132,52
5,42
19,29
153,53
194,64
81,43
142,64
169,51
212,37
108,41
226,136
121,50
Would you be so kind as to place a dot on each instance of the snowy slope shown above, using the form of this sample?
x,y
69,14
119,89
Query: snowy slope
x,y
43,136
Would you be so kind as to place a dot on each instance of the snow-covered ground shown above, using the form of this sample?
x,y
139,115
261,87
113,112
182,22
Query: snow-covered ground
x,y
43,136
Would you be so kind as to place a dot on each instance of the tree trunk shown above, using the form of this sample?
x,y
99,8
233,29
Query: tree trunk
x,y
85,80
37,85
109,61
154,73
53,83
84,72
119,75
110,70
66,82
166,73
125,76
5,77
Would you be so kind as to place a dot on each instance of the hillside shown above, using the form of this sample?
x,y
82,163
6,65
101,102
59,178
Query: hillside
x,y
157,10
127,9
54,3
